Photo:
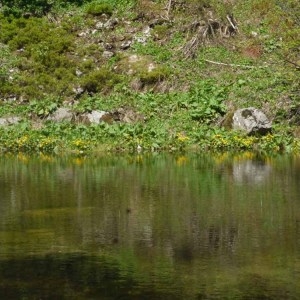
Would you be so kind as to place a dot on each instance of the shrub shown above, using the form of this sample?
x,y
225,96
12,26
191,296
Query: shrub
x,y
18,8
7,62
42,54
97,8
97,80
154,76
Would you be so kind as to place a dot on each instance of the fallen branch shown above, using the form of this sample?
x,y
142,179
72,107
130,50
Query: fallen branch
x,y
168,9
297,66
232,22
234,65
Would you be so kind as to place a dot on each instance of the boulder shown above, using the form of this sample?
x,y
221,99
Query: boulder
x,y
127,115
107,54
9,121
122,115
125,45
252,121
96,116
61,114
111,23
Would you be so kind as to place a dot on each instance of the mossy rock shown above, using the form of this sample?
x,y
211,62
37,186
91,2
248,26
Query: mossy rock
x,y
227,120
134,64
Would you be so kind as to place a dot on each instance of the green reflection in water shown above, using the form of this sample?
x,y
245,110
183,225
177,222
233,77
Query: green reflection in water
x,y
150,227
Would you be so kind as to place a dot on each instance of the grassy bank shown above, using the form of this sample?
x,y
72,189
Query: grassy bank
x,y
184,66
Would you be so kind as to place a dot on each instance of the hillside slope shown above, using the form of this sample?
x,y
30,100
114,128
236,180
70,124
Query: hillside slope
x,y
181,67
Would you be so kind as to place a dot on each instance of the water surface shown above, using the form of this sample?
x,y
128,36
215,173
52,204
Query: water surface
x,y
150,227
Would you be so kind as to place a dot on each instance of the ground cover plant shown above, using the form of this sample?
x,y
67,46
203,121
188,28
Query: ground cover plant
x,y
182,66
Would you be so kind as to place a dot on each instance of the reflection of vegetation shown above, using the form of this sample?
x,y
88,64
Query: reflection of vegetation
x,y
166,225
79,277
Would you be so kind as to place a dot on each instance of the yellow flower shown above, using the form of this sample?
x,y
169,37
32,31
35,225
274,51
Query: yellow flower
x,y
182,137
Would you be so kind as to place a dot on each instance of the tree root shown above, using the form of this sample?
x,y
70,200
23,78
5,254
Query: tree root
x,y
208,30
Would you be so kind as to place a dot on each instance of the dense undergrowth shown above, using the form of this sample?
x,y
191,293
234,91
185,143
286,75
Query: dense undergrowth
x,y
183,65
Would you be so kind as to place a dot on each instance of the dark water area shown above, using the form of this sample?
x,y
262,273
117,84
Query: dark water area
x,y
193,226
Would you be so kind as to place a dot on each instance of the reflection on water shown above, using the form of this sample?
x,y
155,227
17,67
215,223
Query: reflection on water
x,y
150,227
251,171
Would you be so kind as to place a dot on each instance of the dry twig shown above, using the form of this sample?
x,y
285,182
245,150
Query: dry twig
x,y
234,65
169,6
210,30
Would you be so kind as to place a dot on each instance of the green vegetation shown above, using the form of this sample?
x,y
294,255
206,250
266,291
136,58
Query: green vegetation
x,y
97,8
183,72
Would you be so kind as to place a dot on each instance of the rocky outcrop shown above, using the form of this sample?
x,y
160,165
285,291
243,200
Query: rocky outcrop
x,y
6,121
95,117
252,121
127,115
61,114
120,115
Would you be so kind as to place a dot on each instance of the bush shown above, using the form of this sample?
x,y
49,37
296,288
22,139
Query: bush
x,y
97,80
7,61
97,8
19,8
156,75
44,64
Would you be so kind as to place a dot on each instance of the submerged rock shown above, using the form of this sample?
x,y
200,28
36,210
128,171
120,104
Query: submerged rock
x,y
252,121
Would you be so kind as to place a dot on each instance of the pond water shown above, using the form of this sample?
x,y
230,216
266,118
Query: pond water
x,y
160,226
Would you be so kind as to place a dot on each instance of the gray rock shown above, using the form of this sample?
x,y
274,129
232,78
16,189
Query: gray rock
x,y
99,25
107,54
83,33
61,114
252,121
9,121
143,36
78,90
125,45
111,23
78,73
11,98
96,116
127,115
